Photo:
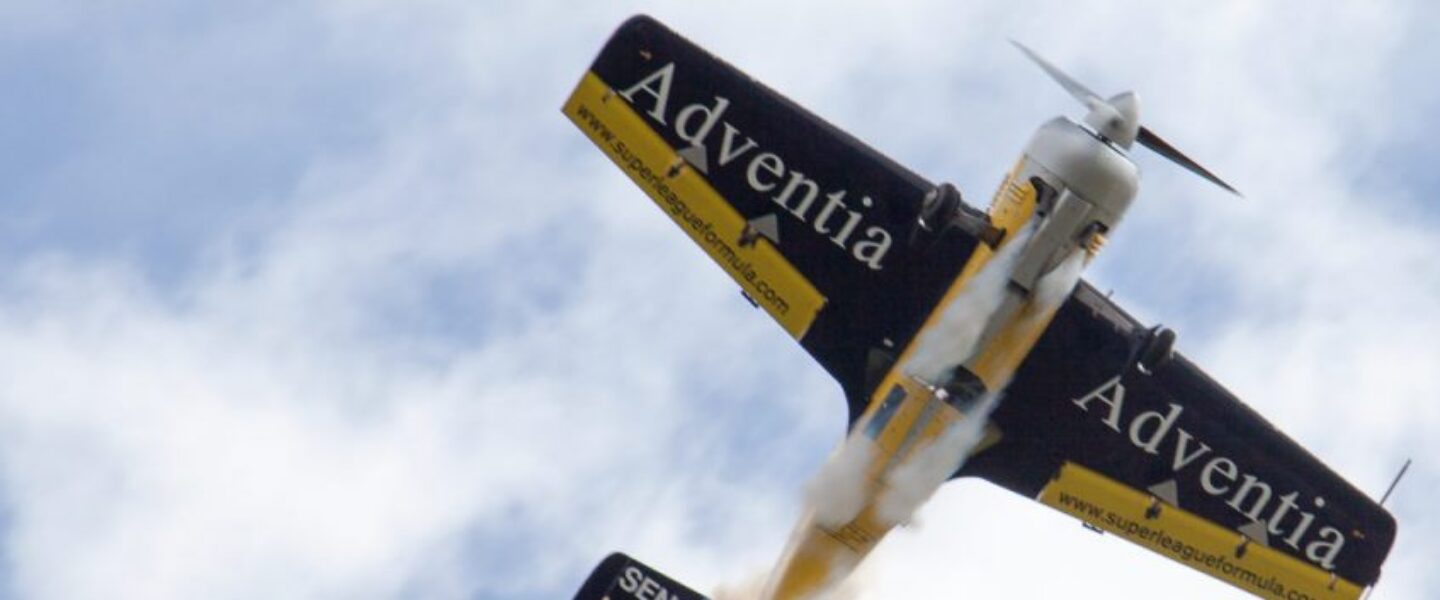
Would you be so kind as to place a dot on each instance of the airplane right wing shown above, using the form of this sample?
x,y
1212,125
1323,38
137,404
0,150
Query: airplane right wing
x,y
1105,423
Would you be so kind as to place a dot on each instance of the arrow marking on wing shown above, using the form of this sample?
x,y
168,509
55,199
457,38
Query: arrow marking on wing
x,y
695,155
766,226
1167,491
1256,530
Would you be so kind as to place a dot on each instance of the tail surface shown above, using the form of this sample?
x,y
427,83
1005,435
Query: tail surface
x,y
620,577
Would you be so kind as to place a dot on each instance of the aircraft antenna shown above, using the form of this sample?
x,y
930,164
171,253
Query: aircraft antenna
x,y
1395,482
1388,491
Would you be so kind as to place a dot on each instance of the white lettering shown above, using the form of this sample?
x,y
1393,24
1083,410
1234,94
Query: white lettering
x,y
712,115
1252,495
873,249
1114,401
1182,459
771,164
1251,483
842,237
1215,465
1294,539
1166,421
661,94
798,179
648,589
1333,540
831,202
631,580
1287,502
766,171
727,145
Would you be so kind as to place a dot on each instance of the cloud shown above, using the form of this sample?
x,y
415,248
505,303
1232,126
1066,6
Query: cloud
x,y
330,301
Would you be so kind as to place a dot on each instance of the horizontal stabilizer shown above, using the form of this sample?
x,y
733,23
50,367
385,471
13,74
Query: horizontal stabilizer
x,y
620,577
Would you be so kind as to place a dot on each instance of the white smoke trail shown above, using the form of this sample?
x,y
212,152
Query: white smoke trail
x,y
838,491
835,496
911,484
952,341
754,587
1054,287
751,588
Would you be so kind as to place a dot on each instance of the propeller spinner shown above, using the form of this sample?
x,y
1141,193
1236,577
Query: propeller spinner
x,y
1118,119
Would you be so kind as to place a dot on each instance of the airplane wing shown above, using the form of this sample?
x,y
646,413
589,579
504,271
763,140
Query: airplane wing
x,y
1104,423
824,233
818,229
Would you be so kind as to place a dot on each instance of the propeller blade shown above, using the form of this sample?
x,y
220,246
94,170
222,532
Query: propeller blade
x,y
1076,89
1149,140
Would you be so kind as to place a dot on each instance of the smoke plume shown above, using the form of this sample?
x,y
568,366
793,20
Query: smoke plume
x,y
753,588
1055,286
952,341
837,493
911,484
840,488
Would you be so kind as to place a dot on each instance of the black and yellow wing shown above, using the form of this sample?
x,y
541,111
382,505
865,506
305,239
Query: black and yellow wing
x,y
1104,422
818,229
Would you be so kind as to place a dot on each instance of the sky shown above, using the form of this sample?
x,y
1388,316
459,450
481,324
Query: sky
x,y
329,300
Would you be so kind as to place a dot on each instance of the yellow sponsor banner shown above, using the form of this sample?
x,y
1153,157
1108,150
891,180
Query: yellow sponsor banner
x,y
684,194
1189,539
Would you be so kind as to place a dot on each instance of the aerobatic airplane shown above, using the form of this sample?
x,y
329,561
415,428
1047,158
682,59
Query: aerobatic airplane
x,y
870,267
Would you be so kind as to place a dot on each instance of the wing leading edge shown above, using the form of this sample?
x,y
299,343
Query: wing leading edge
x,y
819,230
1165,457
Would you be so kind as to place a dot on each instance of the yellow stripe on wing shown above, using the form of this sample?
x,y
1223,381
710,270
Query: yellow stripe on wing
x,y
711,221
1189,539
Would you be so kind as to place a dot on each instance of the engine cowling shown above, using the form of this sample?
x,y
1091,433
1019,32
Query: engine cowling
x,y
1157,350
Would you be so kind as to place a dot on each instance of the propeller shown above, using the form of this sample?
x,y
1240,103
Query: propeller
x,y
1117,119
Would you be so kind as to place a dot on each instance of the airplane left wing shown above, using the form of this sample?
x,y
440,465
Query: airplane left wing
x,y
1104,423
818,229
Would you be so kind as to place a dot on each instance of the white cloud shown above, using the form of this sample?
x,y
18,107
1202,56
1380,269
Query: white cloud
x,y
464,357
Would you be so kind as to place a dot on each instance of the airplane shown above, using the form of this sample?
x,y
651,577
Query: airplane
x,y
936,317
